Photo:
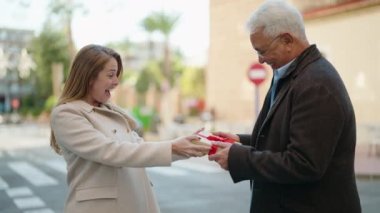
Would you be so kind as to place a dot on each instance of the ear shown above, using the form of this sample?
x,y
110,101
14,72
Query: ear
x,y
287,38
91,82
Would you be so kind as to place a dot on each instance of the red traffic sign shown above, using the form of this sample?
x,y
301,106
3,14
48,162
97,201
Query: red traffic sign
x,y
257,73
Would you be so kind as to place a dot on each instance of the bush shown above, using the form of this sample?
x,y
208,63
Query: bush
x,y
50,103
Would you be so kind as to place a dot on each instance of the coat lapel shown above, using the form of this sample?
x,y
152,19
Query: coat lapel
x,y
119,113
311,54
280,96
268,111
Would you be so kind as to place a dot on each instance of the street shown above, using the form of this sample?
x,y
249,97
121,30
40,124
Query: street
x,y
32,180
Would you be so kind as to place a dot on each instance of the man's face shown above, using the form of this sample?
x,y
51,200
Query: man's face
x,y
270,50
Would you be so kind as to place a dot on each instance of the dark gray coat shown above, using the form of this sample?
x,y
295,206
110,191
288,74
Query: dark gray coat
x,y
300,155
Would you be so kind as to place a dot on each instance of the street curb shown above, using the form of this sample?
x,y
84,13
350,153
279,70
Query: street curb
x,y
368,176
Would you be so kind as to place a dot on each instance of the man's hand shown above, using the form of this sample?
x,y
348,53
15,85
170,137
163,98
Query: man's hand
x,y
221,156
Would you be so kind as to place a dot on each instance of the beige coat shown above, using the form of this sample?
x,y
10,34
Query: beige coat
x,y
106,160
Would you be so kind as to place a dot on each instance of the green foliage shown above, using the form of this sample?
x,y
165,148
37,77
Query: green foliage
x,y
149,24
130,76
193,83
150,75
160,21
178,67
53,45
164,23
32,105
144,116
155,72
143,81
50,103
48,48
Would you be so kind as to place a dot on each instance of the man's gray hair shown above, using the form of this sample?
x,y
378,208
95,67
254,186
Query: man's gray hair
x,y
276,17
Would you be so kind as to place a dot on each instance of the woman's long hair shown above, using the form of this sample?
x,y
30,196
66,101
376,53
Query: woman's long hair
x,y
87,64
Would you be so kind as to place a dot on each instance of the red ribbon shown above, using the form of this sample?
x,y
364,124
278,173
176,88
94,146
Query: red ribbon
x,y
214,148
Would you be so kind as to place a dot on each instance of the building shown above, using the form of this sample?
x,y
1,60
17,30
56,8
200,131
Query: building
x,y
13,43
346,31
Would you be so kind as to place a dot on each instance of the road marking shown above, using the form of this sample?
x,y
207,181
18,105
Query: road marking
x,y
168,171
30,202
185,167
32,174
58,165
40,211
201,166
19,192
3,184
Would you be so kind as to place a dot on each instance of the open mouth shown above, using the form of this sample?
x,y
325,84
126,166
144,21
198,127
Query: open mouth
x,y
108,92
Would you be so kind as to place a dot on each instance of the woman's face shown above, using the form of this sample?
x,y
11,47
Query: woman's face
x,y
101,86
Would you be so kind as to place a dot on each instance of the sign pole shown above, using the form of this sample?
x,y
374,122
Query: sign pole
x,y
257,74
257,100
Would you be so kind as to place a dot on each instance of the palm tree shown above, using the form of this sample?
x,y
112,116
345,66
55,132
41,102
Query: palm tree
x,y
165,24
65,9
150,26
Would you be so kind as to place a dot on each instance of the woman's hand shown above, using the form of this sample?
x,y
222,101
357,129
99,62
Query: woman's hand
x,y
189,146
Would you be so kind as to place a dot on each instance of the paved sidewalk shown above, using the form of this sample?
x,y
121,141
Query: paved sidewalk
x,y
367,162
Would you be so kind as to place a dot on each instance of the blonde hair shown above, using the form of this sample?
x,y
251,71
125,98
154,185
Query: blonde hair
x,y
87,64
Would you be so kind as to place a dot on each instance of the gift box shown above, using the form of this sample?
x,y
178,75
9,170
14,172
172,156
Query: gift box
x,y
208,138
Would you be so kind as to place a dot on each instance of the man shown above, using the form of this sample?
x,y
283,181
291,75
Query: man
x,y
300,155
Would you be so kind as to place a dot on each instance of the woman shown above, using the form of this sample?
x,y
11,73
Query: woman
x,y
104,155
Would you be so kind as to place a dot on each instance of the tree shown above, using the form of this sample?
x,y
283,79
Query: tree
x,y
65,10
193,83
48,48
142,86
150,26
165,24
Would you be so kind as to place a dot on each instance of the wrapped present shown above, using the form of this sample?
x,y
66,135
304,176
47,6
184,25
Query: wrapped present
x,y
207,138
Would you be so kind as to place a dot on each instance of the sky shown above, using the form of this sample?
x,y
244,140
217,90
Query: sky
x,y
106,21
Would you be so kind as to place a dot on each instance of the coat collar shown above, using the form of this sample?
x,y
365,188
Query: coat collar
x,y
89,108
107,108
308,56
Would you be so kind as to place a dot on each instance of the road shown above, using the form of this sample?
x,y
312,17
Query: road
x,y
32,180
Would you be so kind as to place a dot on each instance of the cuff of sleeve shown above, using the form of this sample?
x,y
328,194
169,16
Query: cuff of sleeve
x,y
238,160
245,139
165,158
176,157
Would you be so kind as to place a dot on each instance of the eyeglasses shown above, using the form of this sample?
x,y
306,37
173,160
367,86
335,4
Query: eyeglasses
x,y
262,53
